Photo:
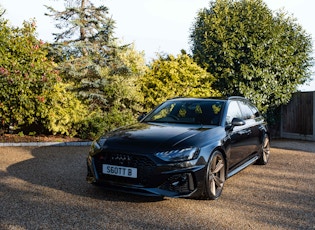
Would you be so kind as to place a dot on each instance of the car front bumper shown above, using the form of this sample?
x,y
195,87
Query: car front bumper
x,y
171,180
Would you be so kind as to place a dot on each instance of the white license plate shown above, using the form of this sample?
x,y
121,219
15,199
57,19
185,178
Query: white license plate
x,y
119,171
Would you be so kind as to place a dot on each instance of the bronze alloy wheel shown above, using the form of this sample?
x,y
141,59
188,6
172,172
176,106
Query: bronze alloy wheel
x,y
265,151
215,176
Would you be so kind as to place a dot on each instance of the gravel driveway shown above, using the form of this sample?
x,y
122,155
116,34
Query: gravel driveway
x,y
45,188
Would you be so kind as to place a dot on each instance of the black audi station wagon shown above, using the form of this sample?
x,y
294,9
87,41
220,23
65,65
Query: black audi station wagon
x,y
185,147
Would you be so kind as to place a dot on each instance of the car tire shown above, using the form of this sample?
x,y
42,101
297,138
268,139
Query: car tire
x,y
215,176
264,151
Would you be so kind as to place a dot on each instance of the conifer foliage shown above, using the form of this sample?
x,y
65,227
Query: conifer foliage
x,y
84,46
103,72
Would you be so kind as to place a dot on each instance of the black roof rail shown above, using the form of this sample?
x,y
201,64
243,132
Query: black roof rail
x,y
236,97
219,98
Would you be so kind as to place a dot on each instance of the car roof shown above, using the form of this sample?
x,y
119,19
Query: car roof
x,y
210,98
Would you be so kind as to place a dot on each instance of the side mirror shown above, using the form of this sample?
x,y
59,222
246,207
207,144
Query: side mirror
x,y
237,122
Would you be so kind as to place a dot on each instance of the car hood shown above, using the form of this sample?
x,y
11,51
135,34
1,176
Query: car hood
x,y
144,137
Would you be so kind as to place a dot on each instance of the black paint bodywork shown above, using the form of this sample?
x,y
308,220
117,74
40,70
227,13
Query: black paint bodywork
x,y
136,146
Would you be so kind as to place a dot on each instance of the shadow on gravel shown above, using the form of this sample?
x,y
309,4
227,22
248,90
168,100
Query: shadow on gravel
x,y
64,169
49,191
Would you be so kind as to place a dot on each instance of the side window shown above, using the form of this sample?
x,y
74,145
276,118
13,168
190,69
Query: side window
x,y
233,112
247,112
255,110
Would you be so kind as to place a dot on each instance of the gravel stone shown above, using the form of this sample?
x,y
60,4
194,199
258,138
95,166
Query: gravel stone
x,y
44,187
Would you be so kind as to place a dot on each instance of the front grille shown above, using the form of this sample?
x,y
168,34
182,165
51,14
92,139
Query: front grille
x,y
128,160
145,167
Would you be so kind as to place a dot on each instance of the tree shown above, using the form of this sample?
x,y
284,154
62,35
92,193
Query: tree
x,y
25,76
87,51
86,31
123,90
170,76
103,71
251,51
83,47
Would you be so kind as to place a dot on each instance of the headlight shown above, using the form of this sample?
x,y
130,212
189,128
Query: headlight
x,y
179,155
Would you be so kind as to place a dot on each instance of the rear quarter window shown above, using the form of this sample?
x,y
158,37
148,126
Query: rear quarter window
x,y
249,111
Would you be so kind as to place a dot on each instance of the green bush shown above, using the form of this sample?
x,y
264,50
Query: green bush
x,y
97,123
25,76
65,113
171,76
122,106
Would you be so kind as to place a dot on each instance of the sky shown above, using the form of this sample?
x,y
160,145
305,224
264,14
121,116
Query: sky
x,y
154,26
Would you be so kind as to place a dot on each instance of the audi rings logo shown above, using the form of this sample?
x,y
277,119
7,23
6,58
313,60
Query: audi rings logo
x,y
121,158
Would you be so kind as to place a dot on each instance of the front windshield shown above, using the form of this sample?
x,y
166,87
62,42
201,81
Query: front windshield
x,y
204,112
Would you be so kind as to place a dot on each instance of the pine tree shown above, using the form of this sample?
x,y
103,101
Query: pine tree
x,y
85,47
104,73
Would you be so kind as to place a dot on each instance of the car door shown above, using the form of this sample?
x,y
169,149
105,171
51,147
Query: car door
x,y
238,135
251,128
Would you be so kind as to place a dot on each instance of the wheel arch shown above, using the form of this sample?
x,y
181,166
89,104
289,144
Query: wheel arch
x,y
208,192
222,151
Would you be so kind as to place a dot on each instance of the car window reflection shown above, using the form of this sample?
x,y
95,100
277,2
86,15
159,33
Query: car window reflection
x,y
189,112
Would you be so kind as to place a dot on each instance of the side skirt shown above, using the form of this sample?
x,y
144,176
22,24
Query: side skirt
x,y
243,166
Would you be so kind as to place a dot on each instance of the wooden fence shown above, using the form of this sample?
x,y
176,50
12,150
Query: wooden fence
x,y
298,117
